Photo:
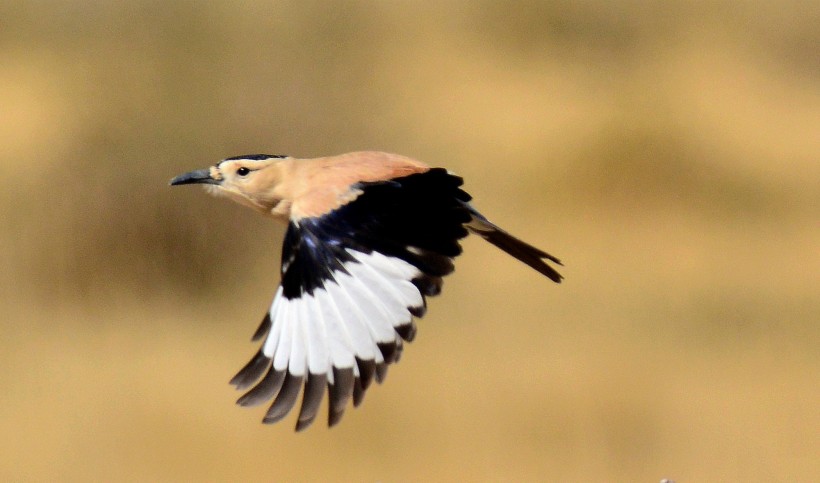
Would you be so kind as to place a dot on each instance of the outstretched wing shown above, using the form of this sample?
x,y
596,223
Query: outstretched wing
x,y
352,281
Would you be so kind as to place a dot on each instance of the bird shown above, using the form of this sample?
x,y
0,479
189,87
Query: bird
x,y
370,235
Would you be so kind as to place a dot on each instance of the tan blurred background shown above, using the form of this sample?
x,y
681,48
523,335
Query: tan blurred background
x,y
668,152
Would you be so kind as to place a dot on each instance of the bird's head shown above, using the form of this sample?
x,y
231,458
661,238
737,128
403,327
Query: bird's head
x,y
250,180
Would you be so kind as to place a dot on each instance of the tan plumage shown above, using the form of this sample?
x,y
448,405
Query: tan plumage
x,y
370,235
288,188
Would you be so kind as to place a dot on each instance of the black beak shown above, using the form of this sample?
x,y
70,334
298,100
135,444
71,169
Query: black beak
x,y
202,176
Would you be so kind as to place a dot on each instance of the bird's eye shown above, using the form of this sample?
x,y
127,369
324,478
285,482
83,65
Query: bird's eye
x,y
243,171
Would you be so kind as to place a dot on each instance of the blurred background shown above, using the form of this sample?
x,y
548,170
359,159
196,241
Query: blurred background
x,y
667,152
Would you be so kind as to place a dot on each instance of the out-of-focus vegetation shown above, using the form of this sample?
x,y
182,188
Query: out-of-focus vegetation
x,y
668,152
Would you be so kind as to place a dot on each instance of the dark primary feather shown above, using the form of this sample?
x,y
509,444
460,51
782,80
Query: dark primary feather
x,y
264,328
339,392
267,388
252,371
285,399
314,391
367,368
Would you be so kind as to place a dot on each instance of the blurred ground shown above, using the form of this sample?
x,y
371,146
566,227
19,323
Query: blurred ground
x,y
666,151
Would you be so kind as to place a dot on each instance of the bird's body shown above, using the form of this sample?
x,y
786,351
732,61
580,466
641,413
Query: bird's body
x,y
370,235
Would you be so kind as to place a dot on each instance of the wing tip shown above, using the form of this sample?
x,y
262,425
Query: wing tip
x,y
286,398
339,392
267,388
311,399
263,329
251,372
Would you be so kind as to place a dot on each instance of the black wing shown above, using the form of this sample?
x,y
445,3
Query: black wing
x,y
352,281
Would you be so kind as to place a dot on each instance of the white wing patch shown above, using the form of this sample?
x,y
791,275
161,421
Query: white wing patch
x,y
341,326
346,318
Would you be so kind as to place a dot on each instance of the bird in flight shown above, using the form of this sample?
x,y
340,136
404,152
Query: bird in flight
x,y
369,236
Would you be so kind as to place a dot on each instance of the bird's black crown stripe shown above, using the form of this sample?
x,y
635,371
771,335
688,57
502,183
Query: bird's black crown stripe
x,y
256,157
418,218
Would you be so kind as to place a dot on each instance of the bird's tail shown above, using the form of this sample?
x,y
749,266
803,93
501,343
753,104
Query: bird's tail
x,y
521,250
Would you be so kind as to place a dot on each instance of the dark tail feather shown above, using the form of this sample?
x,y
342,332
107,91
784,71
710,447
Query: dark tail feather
x,y
521,250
